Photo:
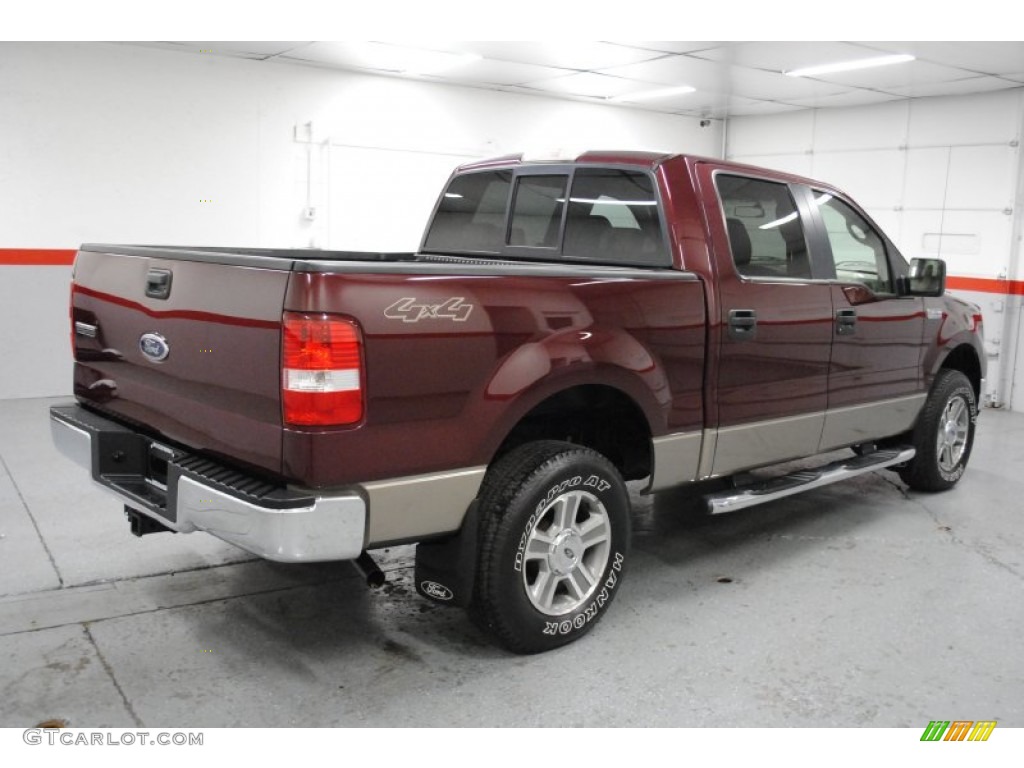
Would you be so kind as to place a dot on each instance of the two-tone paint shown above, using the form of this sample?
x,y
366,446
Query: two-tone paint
x,y
459,351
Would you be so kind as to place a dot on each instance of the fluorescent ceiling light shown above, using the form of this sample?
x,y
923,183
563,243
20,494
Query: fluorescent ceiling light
x,y
660,93
846,66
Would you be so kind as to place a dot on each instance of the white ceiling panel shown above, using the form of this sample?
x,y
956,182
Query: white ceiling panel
x,y
256,49
383,57
758,84
576,55
896,75
989,58
730,78
981,84
852,98
589,84
781,57
488,71
667,46
246,50
676,70
721,77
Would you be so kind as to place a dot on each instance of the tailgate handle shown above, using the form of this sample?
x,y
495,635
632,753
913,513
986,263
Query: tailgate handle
x,y
158,283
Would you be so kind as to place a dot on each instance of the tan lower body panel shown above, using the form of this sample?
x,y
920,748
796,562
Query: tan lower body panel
x,y
425,505
870,421
747,446
676,460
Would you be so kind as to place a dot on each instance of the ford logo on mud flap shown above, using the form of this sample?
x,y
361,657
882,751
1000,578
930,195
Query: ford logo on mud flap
x,y
154,347
436,591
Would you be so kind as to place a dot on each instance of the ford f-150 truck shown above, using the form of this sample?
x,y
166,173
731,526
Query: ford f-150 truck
x,y
565,327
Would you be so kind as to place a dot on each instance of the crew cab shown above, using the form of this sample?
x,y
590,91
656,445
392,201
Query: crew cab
x,y
564,327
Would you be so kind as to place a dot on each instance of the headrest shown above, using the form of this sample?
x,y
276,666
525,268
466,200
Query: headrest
x,y
739,241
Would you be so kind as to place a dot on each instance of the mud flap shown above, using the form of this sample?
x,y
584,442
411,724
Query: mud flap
x,y
446,569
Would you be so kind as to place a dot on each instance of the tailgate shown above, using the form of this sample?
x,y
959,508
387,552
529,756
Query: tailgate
x,y
188,350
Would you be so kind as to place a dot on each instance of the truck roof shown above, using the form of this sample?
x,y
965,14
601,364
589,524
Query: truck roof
x,y
648,160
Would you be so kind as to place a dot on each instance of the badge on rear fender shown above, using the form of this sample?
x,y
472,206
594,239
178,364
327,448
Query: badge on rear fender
x,y
411,310
154,347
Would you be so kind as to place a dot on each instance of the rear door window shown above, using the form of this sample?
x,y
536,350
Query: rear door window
x,y
765,234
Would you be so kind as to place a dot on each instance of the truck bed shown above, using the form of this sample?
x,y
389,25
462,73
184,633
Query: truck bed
x,y
455,349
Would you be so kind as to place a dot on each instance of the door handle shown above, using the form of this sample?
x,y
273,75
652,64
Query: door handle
x,y
846,322
742,324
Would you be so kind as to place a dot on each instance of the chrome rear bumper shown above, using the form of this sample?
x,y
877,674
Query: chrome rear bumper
x,y
186,493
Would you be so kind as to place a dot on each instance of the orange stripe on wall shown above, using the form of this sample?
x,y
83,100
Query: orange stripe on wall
x,y
986,285
43,257
36,257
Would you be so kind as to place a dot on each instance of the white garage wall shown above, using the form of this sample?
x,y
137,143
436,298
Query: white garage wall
x,y
940,175
115,143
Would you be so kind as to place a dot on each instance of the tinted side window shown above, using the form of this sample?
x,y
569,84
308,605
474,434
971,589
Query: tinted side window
x,y
471,216
613,217
857,249
537,211
765,234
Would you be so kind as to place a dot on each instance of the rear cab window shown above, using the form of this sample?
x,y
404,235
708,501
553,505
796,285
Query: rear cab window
x,y
575,214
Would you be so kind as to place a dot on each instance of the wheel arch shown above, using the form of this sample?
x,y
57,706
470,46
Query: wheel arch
x,y
599,416
966,359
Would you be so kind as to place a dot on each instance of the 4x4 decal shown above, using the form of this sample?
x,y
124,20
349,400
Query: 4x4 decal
x,y
409,310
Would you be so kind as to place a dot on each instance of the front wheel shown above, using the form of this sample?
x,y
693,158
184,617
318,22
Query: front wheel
x,y
943,435
554,540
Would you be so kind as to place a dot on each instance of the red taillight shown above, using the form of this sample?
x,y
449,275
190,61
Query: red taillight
x,y
321,370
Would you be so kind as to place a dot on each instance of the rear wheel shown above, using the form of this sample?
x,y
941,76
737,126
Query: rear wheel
x,y
943,435
554,540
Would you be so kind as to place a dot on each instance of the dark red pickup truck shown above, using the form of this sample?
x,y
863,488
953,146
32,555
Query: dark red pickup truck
x,y
565,327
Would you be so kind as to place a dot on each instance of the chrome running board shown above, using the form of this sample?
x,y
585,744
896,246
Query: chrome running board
x,y
805,480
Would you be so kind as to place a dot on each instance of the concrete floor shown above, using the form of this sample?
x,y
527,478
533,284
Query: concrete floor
x,y
861,604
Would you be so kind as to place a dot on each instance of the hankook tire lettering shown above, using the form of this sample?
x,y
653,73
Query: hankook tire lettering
x,y
590,612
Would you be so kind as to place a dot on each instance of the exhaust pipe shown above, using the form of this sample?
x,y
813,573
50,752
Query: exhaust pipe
x,y
374,575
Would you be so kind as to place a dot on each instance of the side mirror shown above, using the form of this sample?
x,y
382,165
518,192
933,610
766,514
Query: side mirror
x,y
927,277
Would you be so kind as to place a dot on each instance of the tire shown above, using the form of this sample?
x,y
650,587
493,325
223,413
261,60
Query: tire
x,y
554,537
943,435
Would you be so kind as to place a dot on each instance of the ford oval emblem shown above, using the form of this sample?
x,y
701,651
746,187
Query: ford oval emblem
x,y
154,347
436,591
